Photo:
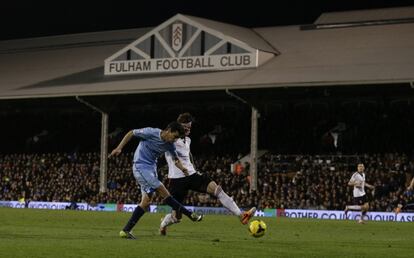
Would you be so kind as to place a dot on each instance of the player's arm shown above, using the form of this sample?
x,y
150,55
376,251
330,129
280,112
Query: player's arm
x,y
351,182
176,160
369,186
128,136
191,158
411,186
354,182
192,161
179,165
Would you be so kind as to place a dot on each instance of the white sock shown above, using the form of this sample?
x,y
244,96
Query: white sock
x,y
227,201
354,207
168,220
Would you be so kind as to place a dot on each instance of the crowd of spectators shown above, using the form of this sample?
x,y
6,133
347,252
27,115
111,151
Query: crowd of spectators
x,y
284,181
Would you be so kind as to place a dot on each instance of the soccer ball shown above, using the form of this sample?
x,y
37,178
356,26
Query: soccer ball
x,y
257,228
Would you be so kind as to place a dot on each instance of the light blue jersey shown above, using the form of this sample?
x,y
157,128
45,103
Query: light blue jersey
x,y
150,148
146,156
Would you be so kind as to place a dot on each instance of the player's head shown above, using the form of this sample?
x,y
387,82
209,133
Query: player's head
x,y
360,167
173,131
186,119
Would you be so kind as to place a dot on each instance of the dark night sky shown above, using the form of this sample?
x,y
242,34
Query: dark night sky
x,y
35,19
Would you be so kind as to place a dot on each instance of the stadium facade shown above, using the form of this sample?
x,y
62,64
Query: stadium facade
x,y
185,53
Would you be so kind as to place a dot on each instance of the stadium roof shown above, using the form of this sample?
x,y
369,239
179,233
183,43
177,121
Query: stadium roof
x,y
360,53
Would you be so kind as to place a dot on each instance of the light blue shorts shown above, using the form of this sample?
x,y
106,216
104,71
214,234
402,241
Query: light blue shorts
x,y
147,179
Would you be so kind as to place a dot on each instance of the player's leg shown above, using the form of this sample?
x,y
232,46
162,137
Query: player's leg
x,y
229,203
136,215
203,183
145,178
398,208
166,221
356,206
353,208
364,210
178,188
172,202
361,202
171,218
151,183
225,200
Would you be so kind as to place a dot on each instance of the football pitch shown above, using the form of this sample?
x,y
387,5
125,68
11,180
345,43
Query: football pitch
x,y
57,233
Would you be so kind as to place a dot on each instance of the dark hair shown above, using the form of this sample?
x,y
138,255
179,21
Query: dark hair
x,y
185,118
176,127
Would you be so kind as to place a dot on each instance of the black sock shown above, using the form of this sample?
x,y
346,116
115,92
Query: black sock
x,y
136,215
177,206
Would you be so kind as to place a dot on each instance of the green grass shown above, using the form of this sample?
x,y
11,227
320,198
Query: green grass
x,y
50,233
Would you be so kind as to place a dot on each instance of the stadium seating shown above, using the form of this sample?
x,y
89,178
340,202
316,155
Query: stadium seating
x,y
284,181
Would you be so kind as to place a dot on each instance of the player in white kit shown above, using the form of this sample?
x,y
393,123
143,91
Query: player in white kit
x,y
360,199
180,184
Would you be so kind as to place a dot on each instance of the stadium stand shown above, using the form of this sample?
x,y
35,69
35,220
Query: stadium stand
x,y
285,181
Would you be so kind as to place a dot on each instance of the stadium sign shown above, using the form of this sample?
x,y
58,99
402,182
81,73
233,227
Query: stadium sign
x,y
182,44
290,213
42,205
206,63
340,215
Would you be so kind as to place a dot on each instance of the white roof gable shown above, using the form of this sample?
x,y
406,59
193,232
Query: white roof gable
x,y
181,39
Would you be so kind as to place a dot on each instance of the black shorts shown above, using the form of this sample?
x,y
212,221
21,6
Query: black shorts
x,y
360,200
179,187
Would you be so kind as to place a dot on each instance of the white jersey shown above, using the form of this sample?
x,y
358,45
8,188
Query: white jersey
x,y
358,178
183,152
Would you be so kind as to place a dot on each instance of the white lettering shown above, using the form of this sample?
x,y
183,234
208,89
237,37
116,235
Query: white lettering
x,y
191,63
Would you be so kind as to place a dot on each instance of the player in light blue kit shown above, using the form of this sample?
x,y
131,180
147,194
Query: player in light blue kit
x,y
154,142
